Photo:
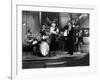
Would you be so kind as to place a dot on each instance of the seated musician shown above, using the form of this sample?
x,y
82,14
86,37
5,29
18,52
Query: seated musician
x,y
29,38
54,32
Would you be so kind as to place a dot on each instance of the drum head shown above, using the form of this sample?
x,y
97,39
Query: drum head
x,y
44,48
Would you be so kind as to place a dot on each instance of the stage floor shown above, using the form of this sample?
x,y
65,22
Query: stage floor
x,y
61,59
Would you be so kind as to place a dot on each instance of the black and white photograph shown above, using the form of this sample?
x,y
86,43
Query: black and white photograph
x,y
50,40
55,39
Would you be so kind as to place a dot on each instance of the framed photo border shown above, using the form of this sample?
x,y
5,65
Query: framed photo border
x,y
14,69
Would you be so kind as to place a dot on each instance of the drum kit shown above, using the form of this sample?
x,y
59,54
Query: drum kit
x,y
42,49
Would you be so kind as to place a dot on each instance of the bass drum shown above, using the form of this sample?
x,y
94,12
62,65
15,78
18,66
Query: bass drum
x,y
42,49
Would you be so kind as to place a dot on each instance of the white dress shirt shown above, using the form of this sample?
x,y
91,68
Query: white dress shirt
x,y
52,30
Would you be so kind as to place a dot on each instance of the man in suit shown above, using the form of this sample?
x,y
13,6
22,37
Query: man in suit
x,y
70,39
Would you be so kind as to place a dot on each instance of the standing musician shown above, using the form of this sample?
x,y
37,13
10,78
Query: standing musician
x,y
70,39
54,32
65,36
76,30
80,39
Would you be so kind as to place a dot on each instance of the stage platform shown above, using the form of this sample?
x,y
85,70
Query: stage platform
x,y
61,59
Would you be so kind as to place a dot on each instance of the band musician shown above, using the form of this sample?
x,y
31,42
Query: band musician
x,y
29,38
54,31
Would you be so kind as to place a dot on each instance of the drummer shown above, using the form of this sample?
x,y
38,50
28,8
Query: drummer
x,y
54,32
43,32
